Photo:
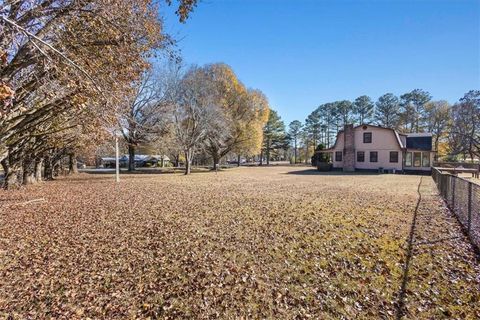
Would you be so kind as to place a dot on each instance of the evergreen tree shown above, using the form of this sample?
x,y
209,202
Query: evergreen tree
x,y
274,136
313,126
344,111
387,111
363,109
295,128
413,109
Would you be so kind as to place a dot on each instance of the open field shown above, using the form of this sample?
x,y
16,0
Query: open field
x,y
275,242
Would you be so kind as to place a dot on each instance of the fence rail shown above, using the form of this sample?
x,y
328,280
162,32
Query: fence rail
x,y
463,198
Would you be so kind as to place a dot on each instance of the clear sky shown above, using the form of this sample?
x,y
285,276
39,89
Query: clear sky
x,y
302,53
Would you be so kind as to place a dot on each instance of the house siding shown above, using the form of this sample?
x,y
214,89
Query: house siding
x,y
338,147
383,141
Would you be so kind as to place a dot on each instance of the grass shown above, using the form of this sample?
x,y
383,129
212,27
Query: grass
x,y
275,242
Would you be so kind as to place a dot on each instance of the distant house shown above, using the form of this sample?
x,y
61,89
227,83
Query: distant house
x,y
368,147
140,160
107,162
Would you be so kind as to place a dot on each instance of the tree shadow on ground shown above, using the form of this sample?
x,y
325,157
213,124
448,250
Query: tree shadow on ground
x,y
400,303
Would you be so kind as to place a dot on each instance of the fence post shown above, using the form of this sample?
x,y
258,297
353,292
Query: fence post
x,y
469,219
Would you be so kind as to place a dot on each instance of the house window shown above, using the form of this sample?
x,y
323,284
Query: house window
x,y
426,159
360,156
373,156
417,159
367,137
408,159
393,156
338,156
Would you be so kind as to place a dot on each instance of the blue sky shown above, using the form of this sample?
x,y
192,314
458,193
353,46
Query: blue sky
x,y
302,53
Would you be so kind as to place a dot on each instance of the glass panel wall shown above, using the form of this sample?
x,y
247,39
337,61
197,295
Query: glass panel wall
x,y
417,159
408,159
425,159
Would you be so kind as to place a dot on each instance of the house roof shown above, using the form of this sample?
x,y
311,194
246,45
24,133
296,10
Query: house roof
x,y
397,135
419,142
419,134
138,157
416,141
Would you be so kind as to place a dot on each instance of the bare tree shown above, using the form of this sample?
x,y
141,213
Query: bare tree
x,y
144,116
465,132
438,119
193,113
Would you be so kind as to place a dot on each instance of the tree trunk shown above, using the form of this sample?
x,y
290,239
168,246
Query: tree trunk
x,y
188,162
216,160
11,178
267,152
11,175
48,168
261,158
4,164
38,170
131,157
238,162
306,153
72,164
57,168
28,176
177,160
295,152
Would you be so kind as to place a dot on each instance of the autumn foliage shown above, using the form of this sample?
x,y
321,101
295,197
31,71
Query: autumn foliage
x,y
64,68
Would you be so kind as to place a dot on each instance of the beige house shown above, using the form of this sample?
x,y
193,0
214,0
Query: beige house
x,y
368,147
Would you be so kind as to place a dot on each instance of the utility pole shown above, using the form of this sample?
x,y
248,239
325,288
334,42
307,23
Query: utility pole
x,y
117,160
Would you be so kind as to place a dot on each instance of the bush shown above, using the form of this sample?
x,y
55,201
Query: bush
x,y
319,157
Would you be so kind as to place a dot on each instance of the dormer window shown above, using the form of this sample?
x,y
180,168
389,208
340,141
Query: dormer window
x,y
367,137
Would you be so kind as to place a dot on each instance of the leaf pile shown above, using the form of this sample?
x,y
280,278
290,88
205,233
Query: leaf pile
x,y
245,243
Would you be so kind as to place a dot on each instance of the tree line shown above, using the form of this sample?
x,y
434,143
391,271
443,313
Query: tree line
x,y
455,128
73,74
194,112
65,67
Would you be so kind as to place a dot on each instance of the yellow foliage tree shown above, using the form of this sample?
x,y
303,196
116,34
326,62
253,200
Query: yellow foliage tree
x,y
242,114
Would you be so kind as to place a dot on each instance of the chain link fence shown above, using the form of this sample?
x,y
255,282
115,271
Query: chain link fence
x,y
463,198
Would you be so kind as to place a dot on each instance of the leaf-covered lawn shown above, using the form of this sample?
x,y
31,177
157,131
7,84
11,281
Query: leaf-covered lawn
x,y
274,242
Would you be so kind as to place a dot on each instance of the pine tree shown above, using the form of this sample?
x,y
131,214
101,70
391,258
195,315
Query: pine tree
x,y
363,109
386,112
295,128
274,136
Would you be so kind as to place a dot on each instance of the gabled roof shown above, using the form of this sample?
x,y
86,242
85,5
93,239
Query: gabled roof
x,y
397,135
417,141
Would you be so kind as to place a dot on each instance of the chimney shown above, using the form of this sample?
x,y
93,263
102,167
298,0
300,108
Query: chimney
x,y
349,148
